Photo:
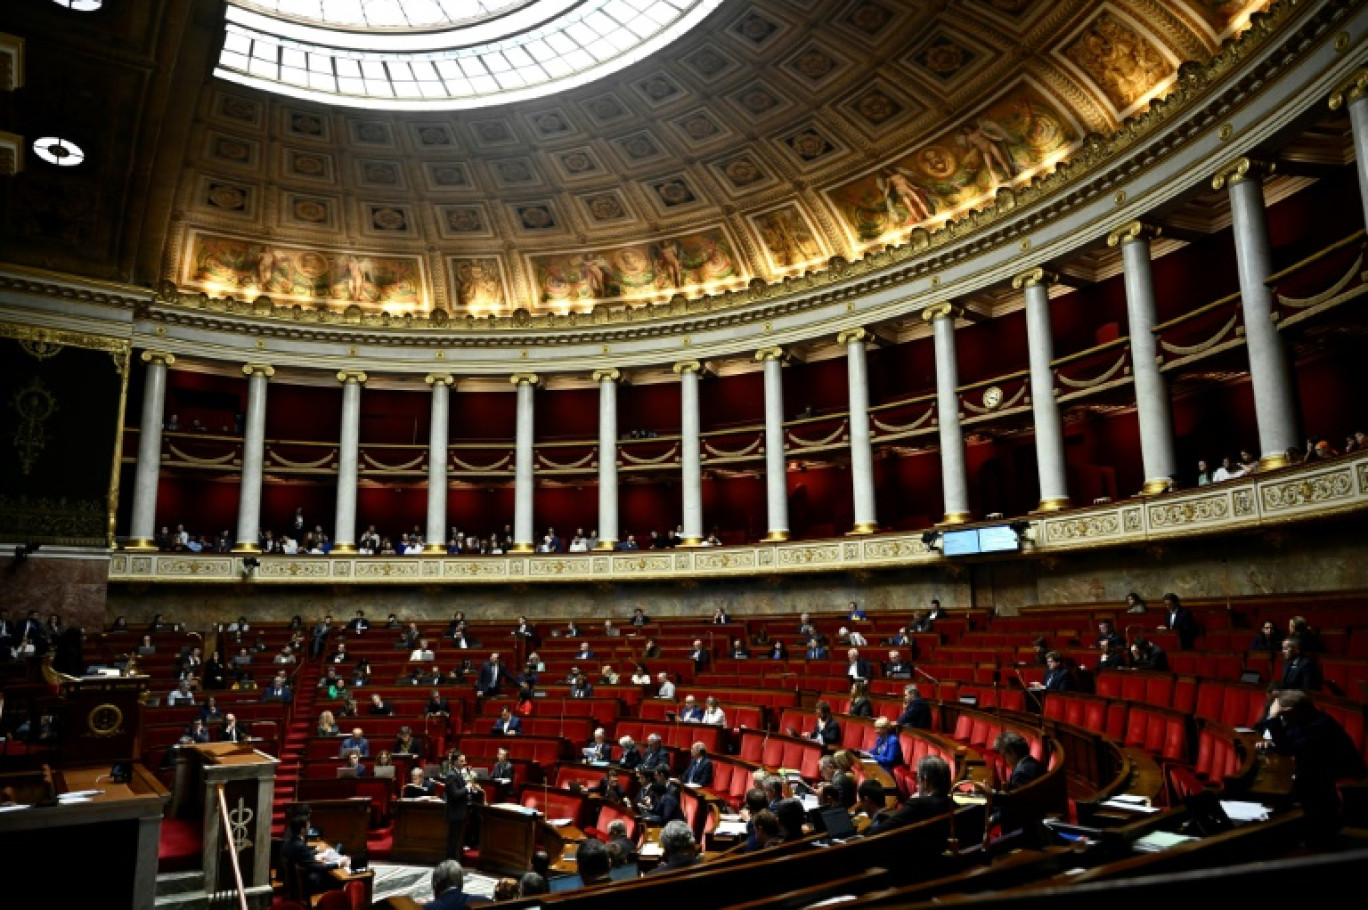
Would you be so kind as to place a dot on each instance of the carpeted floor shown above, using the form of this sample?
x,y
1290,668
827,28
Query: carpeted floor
x,y
416,882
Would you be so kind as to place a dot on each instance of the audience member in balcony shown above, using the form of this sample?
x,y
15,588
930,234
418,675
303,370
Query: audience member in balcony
x,y
896,667
739,650
815,650
828,729
655,755
640,675
1227,471
369,543
607,677
581,687
631,755
1146,655
1111,657
628,544
379,707
887,750
1179,619
1322,754
492,676
858,667
289,546
1300,670
1248,462
507,724
327,725
690,712
422,653
1267,639
931,800
778,651
713,715
667,687
357,742
860,705
579,544
279,689
700,656
387,548
405,744
418,787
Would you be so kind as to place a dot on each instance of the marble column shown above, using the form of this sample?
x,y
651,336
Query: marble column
x,y
1354,95
1049,426
607,457
1157,454
348,450
523,455
438,434
776,473
861,450
253,455
954,474
142,531
690,451
1270,374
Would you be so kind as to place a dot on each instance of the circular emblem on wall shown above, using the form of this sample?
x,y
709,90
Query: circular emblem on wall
x,y
105,720
992,398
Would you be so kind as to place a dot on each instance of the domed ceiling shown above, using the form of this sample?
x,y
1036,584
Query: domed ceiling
x,y
762,142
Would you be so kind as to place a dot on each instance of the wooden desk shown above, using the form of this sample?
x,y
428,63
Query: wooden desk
x,y
420,830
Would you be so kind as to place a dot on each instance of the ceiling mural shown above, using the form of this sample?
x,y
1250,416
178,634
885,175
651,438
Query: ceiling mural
x,y
773,136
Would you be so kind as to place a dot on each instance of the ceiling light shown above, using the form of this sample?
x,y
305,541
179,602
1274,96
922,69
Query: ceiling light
x,y
58,151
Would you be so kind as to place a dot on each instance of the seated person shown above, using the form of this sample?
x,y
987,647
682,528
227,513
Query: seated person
x,y
1058,678
1146,655
896,667
1111,658
690,712
607,677
379,707
739,650
503,766
699,771
599,749
405,744
592,862
327,725
418,787
436,705
887,749
679,849
713,714
610,787
828,729
581,688
1016,754
421,652
507,724
356,742
307,865
354,764
1106,633
931,800
585,652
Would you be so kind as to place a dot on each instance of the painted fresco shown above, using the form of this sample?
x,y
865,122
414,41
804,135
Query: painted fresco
x,y
636,270
227,265
788,238
1125,64
479,285
1006,142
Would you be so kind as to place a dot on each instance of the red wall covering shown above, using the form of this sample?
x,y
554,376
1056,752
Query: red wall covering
x,y
1102,451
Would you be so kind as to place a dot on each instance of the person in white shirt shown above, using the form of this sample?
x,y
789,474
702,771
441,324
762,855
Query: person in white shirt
x,y
1226,472
422,653
854,639
579,544
290,547
667,688
713,714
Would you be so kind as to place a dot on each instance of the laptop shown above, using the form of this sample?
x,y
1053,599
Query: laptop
x,y
480,773
383,772
836,822
346,773
564,883
625,872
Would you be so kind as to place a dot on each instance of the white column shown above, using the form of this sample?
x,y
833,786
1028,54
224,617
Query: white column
x,y
954,475
1049,427
438,435
523,455
691,451
348,449
776,476
608,454
142,531
1355,96
861,450
1157,454
1275,408
253,455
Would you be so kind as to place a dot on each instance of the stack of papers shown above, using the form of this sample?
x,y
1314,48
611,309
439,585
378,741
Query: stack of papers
x,y
1242,812
1159,841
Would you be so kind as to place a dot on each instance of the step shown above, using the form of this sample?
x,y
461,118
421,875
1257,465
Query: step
x,y
169,883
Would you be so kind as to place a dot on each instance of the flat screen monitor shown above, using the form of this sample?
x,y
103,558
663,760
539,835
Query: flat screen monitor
x,y
564,883
960,543
998,539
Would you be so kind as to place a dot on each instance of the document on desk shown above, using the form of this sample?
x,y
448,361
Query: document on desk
x,y
650,849
559,822
731,829
1242,812
1158,841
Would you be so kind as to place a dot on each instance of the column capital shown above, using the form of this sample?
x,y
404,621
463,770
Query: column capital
x,y
1240,170
942,310
859,333
436,379
1033,277
524,379
258,369
356,376
773,352
1351,90
1133,232
687,366
609,374
162,357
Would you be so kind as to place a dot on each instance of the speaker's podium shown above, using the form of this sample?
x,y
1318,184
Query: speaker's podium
x,y
233,784
509,834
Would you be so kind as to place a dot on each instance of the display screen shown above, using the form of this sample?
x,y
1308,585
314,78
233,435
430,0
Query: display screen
x,y
995,539
960,543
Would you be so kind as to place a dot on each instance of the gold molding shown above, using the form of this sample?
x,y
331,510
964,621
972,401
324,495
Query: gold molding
x,y
938,310
1240,170
1036,277
776,537
691,542
436,379
605,544
687,366
957,518
258,369
1056,504
524,379
773,352
246,547
141,545
343,549
434,549
357,376
864,528
1156,486
164,358
520,548
1350,90
1133,232
610,374
1273,462
858,333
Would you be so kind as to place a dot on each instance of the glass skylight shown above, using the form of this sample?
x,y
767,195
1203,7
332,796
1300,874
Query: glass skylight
x,y
442,54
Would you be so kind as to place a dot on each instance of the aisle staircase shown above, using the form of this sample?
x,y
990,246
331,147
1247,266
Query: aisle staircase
x,y
302,720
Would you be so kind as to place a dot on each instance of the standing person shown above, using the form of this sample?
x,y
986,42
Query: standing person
x,y
461,792
1178,619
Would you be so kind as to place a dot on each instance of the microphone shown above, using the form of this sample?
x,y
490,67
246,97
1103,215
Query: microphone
x,y
933,679
1029,691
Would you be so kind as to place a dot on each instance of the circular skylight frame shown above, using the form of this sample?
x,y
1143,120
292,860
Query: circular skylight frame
x,y
533,50
58,151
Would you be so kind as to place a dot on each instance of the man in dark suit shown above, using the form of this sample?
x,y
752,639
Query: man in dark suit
x,y
932,799
460,793
198,732
815,650
278,690
1178,619
699,771
1016,754
503,767
507,724
437,705
858,667
581,687
1058,678
916,712
828,729
699,655
231,732
896,667
492,676
359,624
320,633
690,712
610,787
655,755
1105,632
599,749
379,707
525,629
301,861
418,787
1300,670
448,880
